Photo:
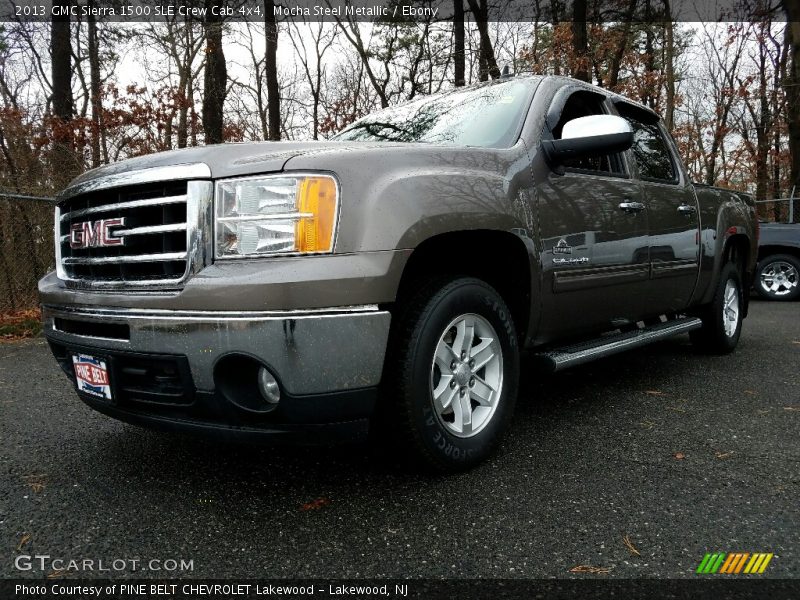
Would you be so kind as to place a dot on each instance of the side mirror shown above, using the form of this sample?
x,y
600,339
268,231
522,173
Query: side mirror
x,y
595,135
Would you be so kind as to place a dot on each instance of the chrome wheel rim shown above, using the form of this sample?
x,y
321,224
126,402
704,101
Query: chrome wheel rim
x,y
779,278
730,310
466,379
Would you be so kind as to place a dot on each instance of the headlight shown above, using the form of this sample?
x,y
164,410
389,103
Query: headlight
x,y
275,214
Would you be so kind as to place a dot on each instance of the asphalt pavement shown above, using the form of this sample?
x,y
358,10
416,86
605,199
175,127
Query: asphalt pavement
x,y
634,466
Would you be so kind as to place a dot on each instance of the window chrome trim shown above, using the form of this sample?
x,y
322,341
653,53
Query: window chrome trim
x,y
86,183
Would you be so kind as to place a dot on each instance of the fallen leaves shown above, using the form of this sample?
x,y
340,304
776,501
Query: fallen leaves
x,y
655,393
751,392
647,424
626,539
20,324
679,456
315,504
590,569
56,574
792,408
36,482
724,455
25,539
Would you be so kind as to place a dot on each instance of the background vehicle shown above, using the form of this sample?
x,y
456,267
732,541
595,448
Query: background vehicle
x,y
390,277
778,270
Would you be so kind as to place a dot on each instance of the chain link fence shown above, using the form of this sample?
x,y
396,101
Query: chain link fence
x,y
26,249
779,210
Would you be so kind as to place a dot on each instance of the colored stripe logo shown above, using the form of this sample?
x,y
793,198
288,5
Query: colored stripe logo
x,y
734,563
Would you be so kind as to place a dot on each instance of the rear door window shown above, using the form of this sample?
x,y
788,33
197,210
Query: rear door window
x,y
650,149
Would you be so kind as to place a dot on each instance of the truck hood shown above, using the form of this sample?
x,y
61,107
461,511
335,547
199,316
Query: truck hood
x,y
231,160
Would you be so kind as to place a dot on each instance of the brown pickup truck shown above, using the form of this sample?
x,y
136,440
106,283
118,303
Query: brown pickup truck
x,y
388,279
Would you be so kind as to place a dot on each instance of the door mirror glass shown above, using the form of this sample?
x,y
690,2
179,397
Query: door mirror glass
x,y
593,135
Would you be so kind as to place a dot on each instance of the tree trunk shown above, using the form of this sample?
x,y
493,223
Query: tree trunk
x,y
793,97
580,42
271,69
215,77
183,113
94,88
619,53
459,57
488,61
669,67
61,70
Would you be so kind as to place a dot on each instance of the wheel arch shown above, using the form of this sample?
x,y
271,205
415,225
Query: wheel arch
x,y
737,250
500,258
770,249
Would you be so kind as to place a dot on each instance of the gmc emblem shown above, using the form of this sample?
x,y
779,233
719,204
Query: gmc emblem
x,y
95,234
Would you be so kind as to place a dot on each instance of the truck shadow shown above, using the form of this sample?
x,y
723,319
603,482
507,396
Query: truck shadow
x,y
547,402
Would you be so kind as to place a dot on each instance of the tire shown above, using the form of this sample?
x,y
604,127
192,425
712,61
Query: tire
x,y
778,277
449,413
722,319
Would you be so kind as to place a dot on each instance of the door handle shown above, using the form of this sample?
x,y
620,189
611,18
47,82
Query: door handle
x,y
631,207
687,209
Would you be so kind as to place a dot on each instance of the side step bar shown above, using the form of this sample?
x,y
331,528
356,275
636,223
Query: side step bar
x,y
559,359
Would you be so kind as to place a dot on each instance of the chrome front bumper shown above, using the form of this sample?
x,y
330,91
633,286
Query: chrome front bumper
x,y
311,351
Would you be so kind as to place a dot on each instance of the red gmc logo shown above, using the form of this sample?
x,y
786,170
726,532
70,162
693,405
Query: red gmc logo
x,y
95,234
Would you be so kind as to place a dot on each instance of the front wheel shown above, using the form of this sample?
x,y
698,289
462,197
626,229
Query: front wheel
x,y
722,319
778,277
452,374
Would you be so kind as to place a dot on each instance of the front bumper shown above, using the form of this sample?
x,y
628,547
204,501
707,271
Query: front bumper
x,y
165,366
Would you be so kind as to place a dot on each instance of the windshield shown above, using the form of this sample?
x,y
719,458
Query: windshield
x,y
486,117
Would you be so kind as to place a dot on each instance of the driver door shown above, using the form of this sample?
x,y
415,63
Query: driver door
x,y
594,233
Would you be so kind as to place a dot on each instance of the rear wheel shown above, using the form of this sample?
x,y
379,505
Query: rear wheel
x,y
452,374
778,277
722,319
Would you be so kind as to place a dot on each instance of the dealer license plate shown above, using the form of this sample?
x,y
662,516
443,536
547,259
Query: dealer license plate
x,y
91,374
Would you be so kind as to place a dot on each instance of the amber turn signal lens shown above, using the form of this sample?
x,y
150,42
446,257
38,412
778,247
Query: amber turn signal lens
x,y
317,200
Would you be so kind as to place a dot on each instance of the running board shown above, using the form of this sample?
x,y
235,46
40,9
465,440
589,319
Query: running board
x,y
559,359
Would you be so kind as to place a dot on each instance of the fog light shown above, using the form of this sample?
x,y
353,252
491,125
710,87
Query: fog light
x,y
268,386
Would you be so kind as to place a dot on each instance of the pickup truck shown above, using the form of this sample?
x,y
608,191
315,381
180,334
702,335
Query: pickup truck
x,y
388,279
778,268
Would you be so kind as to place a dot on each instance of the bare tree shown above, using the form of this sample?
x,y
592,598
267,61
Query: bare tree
x,y
458,43
215,76
310,54
488,63
271,67
94,88
792,86
62,100
580,43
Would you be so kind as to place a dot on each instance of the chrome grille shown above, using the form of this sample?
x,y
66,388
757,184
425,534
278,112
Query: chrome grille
x,y
164,233
154,234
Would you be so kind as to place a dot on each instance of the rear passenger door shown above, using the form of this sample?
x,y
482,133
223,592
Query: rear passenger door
x,y
593,231
672,208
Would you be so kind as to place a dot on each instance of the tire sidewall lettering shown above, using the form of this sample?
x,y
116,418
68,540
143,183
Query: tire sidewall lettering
x,y
448,447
